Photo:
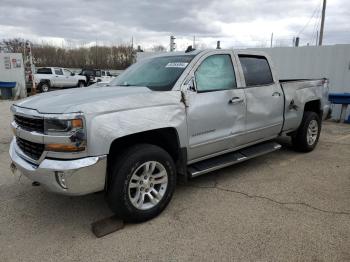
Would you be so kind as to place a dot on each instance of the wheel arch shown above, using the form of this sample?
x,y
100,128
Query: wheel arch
x,y
166,138
48,81
314,106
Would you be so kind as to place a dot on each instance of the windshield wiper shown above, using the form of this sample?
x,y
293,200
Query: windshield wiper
x,y
126,85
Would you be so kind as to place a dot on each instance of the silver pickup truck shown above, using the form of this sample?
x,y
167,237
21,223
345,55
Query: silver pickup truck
x,y
180,114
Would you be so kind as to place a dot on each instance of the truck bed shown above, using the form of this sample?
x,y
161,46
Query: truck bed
x,y
297,93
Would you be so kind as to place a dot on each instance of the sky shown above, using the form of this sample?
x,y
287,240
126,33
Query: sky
x,y
236,23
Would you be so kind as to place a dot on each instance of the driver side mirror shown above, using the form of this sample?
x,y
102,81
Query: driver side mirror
x,y
72,74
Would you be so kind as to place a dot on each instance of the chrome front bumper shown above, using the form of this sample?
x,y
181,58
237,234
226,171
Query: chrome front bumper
x,y
69,177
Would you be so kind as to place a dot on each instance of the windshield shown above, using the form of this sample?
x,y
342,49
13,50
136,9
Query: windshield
x,y
158,74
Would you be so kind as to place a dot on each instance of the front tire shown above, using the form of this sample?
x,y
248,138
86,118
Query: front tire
x,y
142,183
81,84
308,133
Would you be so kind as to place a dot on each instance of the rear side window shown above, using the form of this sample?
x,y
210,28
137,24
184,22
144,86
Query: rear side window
x,y
46,71
256,70
98,73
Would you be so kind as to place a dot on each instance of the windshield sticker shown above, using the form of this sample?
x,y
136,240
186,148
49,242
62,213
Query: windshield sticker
x,y
177,64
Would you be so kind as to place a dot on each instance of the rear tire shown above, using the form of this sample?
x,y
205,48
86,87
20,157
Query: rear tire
x,y
308,133
44,87
142,183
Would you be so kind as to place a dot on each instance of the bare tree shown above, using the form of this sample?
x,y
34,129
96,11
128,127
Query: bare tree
x,y
158,48
106,57
15,45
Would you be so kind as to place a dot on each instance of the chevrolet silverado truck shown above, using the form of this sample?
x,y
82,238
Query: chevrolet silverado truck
x,y
177,115
47,78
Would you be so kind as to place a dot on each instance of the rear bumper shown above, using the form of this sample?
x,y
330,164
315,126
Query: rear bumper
x,y
68,177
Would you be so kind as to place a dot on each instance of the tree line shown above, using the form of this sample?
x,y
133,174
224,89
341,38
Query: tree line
x,y
105,57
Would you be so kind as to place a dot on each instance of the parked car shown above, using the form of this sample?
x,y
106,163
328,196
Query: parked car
x,y
96,75
177,115
47,78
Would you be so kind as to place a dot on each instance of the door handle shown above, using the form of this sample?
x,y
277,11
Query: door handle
x,y
235,100
276,94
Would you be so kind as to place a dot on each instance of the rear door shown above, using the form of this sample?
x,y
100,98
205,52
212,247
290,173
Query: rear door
x,y
264,98
216,108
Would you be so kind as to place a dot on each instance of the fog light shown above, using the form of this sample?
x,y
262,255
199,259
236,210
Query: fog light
x,y
61,180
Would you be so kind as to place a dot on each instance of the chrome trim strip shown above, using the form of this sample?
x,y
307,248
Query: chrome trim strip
x,y
31,136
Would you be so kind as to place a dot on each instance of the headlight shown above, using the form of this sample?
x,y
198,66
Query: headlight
x,y
74,128
62,126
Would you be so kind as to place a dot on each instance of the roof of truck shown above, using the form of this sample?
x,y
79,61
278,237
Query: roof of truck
x,y
197,51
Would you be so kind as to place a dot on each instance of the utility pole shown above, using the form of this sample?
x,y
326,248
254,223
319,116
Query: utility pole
x,y
194,42
322,22
271,39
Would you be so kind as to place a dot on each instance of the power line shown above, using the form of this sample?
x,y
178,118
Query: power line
x,y
313,14
315,31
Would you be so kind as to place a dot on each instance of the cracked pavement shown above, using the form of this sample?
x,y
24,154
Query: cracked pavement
x,y
284,206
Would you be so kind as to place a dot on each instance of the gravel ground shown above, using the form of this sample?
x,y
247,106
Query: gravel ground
x,y
284,206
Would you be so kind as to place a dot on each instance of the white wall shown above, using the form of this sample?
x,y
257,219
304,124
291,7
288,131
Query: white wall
x,y
13,72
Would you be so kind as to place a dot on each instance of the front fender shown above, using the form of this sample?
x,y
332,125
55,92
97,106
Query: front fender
x,y
105,128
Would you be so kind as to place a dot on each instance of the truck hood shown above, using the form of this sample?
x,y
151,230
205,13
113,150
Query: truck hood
x,y
99,99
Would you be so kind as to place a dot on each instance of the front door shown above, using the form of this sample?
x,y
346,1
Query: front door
x,y
216,109
59,80
70,80
264,98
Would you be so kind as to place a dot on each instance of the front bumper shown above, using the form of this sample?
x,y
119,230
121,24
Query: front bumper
x,y
80,176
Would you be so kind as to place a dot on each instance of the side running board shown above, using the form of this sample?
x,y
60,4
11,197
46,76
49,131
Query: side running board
x,y
229,159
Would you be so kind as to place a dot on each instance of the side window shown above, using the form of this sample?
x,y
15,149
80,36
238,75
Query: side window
x,y
215,73
46,71
67,72
256,70
98,73
58,71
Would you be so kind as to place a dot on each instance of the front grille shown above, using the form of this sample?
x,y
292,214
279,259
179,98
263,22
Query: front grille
x,y
33,150
30,124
